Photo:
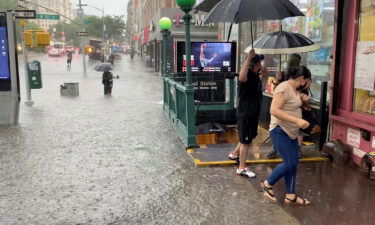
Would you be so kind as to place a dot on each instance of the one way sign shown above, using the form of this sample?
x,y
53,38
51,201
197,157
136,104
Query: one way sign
x,y
24,14
82,33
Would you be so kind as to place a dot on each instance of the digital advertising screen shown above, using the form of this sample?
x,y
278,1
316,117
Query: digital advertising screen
x,y
4,57
208,57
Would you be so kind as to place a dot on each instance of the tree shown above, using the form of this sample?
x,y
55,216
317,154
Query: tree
x,y
115,26
7,5
94,26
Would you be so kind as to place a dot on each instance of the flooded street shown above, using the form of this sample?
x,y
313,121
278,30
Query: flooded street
x,y
113,160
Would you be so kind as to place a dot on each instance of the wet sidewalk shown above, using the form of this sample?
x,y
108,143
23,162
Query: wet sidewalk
x,y
217,154
94,160
342,196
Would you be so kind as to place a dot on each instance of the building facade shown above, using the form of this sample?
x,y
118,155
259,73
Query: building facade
x,y
63,7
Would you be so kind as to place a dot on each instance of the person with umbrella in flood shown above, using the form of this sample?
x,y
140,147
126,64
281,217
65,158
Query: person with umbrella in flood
x,y
107,81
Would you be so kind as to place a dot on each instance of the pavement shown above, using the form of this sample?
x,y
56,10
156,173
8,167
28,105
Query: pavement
x,y
112,160
116,160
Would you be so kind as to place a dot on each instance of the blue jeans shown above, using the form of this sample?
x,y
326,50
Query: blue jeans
x,y
288,149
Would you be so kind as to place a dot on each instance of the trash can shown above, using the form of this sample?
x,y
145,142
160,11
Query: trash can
x,y
70,89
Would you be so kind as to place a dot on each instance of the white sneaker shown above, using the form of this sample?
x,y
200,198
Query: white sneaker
x,y
232,156
245,172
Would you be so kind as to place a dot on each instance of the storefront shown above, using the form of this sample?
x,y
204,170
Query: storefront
x,y
317,25
353,80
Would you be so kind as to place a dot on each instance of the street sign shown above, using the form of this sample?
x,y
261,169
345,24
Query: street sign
x,y
82,34
24,14
47,17
86,22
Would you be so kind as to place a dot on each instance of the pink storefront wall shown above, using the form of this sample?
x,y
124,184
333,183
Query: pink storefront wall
x,y
347,125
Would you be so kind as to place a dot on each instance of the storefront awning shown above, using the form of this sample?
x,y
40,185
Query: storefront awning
x,y
146,34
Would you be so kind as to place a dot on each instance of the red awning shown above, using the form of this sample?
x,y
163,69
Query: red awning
x,y
146,34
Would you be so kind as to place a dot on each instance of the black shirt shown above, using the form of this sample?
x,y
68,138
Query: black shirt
x,y
249,95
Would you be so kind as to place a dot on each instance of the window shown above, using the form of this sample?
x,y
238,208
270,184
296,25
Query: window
x,y
364,78
317,25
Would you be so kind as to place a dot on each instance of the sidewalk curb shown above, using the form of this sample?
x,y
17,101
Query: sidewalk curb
x,y
200,163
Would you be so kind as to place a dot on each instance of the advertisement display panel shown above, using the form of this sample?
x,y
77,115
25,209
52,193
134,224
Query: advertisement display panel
x,y
208,57
4,54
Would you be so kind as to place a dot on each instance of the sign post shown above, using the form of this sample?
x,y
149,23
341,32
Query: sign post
x,y
47,17
29,101
82,34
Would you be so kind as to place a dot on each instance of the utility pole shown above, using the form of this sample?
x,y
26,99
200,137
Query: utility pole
x,y
82,39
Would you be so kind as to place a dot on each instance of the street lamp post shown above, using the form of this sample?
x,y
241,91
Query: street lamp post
x,y
165,24
186,6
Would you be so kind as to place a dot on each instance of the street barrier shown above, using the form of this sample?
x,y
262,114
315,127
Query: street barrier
x,y
70,89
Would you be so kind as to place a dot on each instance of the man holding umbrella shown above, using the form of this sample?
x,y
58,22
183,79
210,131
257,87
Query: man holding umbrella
x,y
248,108
107,81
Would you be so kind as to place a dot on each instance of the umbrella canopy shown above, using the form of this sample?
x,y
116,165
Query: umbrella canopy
x,y
103,67
239,11
283,43
206,5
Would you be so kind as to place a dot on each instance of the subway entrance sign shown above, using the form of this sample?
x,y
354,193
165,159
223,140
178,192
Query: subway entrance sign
x,y
47,17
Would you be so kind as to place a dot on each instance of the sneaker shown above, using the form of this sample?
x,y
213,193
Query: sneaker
x,y
232,156
245,172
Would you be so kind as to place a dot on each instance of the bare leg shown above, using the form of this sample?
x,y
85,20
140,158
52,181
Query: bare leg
x,y
243,155
237,150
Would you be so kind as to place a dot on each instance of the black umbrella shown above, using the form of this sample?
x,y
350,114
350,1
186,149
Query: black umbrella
x,y
206,5
239,11
103,67
283,43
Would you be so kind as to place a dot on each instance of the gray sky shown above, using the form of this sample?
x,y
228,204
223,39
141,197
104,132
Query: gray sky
x,y
111,7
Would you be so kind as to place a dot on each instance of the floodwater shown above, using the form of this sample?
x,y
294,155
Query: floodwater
x,y
113,160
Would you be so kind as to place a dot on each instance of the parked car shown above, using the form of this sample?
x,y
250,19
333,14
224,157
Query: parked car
x,y
70,49
55,52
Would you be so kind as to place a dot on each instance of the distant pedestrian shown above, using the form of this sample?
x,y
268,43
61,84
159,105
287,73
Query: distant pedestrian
x,y
69,58
248,109
107,81
131,54
286,120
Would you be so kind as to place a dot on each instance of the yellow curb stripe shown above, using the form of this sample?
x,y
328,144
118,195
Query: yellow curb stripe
x,y
257,161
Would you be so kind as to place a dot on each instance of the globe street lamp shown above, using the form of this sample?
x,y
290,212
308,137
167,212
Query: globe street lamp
x,y
165,24
186,6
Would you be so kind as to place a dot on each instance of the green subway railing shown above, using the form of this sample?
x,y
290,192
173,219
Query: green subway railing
x,y
180,108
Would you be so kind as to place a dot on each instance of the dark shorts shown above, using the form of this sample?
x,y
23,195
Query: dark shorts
x,y
247,128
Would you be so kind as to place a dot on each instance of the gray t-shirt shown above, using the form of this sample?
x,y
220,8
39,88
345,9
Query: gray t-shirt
x,y
292,106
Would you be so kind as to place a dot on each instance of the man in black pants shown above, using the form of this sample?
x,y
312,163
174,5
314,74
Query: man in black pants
x,y
107,81
248,108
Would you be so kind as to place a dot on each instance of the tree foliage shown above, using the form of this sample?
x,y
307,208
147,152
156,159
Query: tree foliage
x,y
7,5
115,26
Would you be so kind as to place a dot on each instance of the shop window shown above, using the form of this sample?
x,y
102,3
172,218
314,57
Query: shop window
x,y
317,25
364,78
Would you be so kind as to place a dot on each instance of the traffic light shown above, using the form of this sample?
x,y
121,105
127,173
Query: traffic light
x,y
28,38
43,38
89,50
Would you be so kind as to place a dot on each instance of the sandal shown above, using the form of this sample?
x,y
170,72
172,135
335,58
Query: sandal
x,y
267,192
294,201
